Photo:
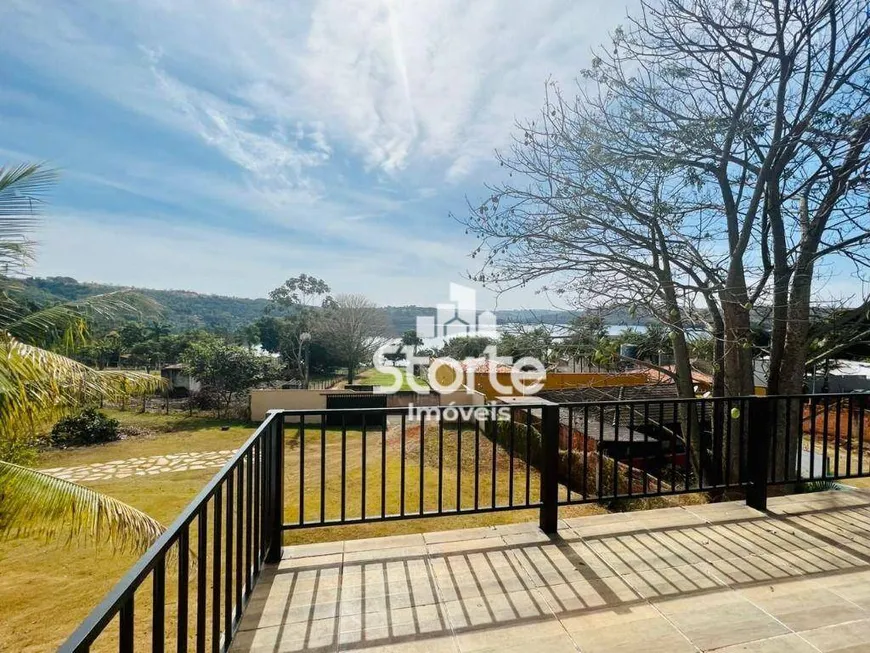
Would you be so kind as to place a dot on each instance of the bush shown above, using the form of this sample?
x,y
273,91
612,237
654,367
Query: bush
x,y
88,427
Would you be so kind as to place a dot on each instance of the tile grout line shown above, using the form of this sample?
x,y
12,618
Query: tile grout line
x,y
338,600
763,611
631,587
534,586
440,603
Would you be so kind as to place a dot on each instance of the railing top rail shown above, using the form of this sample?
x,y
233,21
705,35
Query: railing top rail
x,y
672,400
103,613
401,410
622,402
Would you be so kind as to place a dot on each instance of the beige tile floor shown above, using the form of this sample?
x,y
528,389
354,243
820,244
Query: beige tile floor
x,y
716,577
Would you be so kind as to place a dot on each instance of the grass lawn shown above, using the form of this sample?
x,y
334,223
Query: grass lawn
x,y
46,589
373,377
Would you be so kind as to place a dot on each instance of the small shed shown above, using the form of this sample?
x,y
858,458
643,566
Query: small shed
x,y
179,379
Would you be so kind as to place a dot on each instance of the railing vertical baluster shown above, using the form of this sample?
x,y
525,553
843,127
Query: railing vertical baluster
x,y
278,524
343,465
216,572
699,417
570,451
384,467
838,405
158,607
322,468
402,447
741,441
266,491
440,463
228,559
661,458
476,464
645,446
687,442
240,534
861,405
201,577
849,403
585,451
493,480
511,470
528,455
728,419
786,464
825,465
249,521
600,451
716,425
616,451
774,436
812,437
258,508
459,464
422,462
745,426
301,469
183,585
630,409
365,469
126,628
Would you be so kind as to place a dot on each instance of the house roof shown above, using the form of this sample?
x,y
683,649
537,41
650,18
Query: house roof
x,y
655,392
655,376
481,364
173,366
648,408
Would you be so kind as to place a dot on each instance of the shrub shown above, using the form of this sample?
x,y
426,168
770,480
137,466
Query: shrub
x,y
88,427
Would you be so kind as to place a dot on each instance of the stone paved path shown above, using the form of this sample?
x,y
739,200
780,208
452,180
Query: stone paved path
x,y
143,466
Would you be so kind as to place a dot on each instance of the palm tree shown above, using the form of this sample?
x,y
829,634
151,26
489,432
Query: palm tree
x,y
39,384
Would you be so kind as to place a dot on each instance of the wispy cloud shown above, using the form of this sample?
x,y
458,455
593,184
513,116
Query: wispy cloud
x,y
355,125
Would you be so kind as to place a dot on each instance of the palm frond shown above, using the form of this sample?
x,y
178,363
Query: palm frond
x,y
22,189
38,385
35,503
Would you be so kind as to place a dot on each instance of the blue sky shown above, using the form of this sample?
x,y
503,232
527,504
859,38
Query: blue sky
x,y
222,146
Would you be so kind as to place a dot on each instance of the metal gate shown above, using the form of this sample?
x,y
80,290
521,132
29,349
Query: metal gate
x,y
351,400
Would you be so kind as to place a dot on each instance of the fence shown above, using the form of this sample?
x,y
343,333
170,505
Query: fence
x,y
214,552
378,464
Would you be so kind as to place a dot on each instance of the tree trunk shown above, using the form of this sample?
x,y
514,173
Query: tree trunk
x,y
792,370
738,373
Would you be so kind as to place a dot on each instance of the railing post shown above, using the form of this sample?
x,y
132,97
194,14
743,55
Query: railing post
x,y
758,450
549,516
276,492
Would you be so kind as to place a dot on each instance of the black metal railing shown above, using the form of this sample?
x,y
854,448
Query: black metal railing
x,y
358,465
212,554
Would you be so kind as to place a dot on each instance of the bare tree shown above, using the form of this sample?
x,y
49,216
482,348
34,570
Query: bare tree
x,y
753,114
765,104
615,231
352,328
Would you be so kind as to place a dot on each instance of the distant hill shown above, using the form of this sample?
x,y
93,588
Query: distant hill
x,y
183,309
187,310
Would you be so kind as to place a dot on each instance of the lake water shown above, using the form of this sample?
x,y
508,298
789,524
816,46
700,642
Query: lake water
x,y
556,330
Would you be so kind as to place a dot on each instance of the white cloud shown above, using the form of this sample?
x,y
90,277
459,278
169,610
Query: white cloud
x,y
429,83
335,121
